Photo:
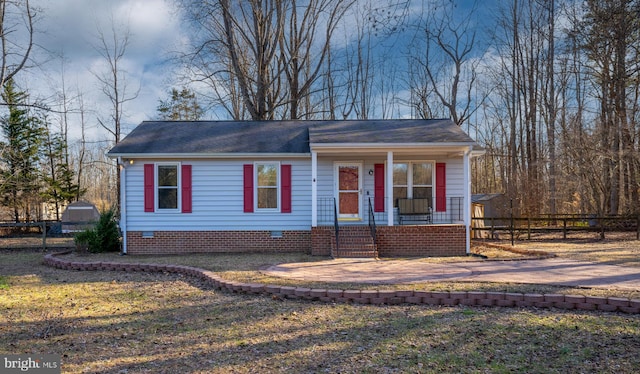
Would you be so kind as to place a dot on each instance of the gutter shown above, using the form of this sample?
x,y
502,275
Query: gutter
x,y
209,155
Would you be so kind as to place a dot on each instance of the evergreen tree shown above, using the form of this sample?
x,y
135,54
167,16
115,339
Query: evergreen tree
x,y
23,134
59,178
182,106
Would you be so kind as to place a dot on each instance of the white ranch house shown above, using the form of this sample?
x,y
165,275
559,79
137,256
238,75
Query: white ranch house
x,y
345,188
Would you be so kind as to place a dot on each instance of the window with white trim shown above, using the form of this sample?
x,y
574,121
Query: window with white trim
x,y
413,180
267,186
167,184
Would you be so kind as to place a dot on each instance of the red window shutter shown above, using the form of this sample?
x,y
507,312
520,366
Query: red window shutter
x,y
149,187
186,189
378,191
441,187
285,188
248,188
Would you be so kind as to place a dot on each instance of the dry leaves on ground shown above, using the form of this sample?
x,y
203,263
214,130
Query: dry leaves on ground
x,y
117,322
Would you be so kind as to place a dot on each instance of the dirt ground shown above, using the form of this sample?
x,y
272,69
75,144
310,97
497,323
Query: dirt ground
x,y
619,248
35,241
121,322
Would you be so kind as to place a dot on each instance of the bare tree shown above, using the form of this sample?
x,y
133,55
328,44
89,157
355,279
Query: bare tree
x,y
82,150
445,45
611,44
261,59
525,87
16,21
550,101
304,45
351,74
112,47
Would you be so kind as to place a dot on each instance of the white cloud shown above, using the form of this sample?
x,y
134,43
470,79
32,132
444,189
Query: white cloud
x,y
69,28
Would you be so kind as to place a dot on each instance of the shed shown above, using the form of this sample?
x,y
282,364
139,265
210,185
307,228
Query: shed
x,y
477,225
79,216
494,205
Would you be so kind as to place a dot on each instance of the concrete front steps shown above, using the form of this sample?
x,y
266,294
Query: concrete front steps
x,y
353,242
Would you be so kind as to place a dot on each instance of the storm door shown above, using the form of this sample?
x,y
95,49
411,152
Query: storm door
x,y
349,190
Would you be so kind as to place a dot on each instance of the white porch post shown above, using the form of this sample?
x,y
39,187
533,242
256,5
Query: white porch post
x,y
389,188
467,198
314,189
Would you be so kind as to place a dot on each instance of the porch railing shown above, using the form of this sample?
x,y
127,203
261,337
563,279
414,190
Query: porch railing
x,y
327,212
372,222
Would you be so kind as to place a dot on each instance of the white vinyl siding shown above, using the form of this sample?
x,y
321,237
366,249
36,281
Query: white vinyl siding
x,y
455,177
218,200
217,189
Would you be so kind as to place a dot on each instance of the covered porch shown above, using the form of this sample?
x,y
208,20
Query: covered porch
x,y
400,202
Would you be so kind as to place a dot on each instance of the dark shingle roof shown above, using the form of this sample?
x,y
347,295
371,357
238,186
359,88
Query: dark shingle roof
x,y
200,137
388,131
228,137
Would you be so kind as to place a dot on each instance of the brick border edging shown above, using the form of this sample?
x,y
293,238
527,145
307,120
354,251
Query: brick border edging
x,y
375,297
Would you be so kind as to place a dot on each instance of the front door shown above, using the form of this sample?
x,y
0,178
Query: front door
x,y
349,190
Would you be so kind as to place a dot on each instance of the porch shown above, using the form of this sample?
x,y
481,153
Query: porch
x,y
392,195
437,233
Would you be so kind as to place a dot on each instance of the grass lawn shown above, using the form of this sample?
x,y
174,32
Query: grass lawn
x,y
117,322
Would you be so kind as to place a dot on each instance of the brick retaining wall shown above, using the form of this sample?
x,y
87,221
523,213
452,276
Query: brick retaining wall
x,y
376,297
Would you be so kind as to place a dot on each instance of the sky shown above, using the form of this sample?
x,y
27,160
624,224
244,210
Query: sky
x,y
67,36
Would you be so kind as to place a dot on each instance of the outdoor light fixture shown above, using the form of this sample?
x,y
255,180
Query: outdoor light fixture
x,y
370,171
130,162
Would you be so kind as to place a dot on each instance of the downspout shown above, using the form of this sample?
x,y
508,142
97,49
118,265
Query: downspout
x,y
467,198
389,188
123,204
314,189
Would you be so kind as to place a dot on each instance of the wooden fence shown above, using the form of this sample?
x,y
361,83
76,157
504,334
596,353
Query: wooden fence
x,y
525,227
43,234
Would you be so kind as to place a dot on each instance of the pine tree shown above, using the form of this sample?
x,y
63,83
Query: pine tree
x,y
182,106
23,134
59,178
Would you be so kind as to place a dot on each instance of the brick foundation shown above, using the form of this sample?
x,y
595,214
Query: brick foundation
x,y
409,240
176,242
422,240
321,240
